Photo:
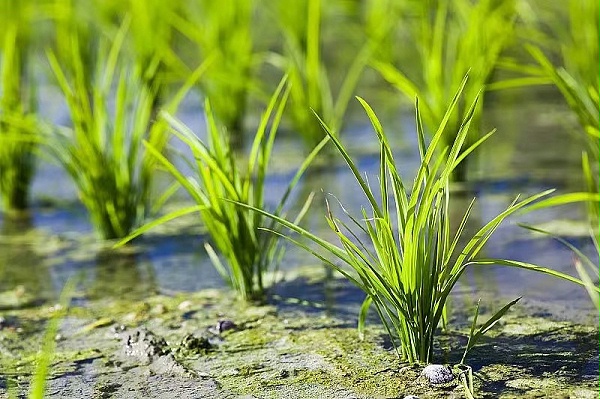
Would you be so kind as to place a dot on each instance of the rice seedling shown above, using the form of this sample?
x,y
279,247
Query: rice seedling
x,y
151,31
586,268
578,80
453,37
40,377
223,30
151,42
103,151
380,23
18,137
248,253
303,62
412,263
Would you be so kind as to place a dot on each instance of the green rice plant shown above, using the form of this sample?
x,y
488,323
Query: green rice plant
x,y
44,360
453,37
76,36
225,31
151,32
103,152
381,21
572,66
18,137
151,41
586,268
304,63
148,45
578,80
412,263
38,383
248,252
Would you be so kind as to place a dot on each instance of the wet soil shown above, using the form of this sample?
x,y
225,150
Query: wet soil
x,y
209,345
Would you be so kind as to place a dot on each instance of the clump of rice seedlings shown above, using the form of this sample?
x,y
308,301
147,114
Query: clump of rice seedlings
x,y
453,37
223,31
411,264
17,108
151,42
304,63
247,252
103,152
590,273
586,268
380,23
151,31
578,80
77,27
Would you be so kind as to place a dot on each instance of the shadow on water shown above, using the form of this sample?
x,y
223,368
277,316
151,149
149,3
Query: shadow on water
x,y
332,295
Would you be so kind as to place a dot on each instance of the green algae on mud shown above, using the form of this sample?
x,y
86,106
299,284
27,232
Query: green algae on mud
x,y
285,351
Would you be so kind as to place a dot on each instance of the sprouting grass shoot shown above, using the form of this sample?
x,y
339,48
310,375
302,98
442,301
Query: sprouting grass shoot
x,y
412,262
240,252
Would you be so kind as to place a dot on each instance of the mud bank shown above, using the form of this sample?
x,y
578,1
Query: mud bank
x,y
208,345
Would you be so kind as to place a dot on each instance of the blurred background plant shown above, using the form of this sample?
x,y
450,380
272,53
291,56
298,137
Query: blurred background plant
x,y
224,30
452,37
575,72
103,151
310,76
18,105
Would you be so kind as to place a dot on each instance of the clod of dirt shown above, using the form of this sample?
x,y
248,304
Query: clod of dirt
x,y
142,347
192,345
145,346
438,374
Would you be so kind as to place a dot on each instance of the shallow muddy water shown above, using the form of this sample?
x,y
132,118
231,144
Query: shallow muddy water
x,y
527,155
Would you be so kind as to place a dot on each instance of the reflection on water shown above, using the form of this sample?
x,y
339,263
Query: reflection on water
x,y
119,275
22,270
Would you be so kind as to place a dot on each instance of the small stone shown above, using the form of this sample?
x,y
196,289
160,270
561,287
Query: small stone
x,y
438,374
224,325
411,397
185,305
159,309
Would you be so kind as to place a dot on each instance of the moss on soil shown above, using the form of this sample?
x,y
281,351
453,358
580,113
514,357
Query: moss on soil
x,y
292,352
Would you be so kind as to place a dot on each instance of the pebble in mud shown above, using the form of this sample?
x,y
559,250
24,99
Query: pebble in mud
x,y
222,326
438,374
225,325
